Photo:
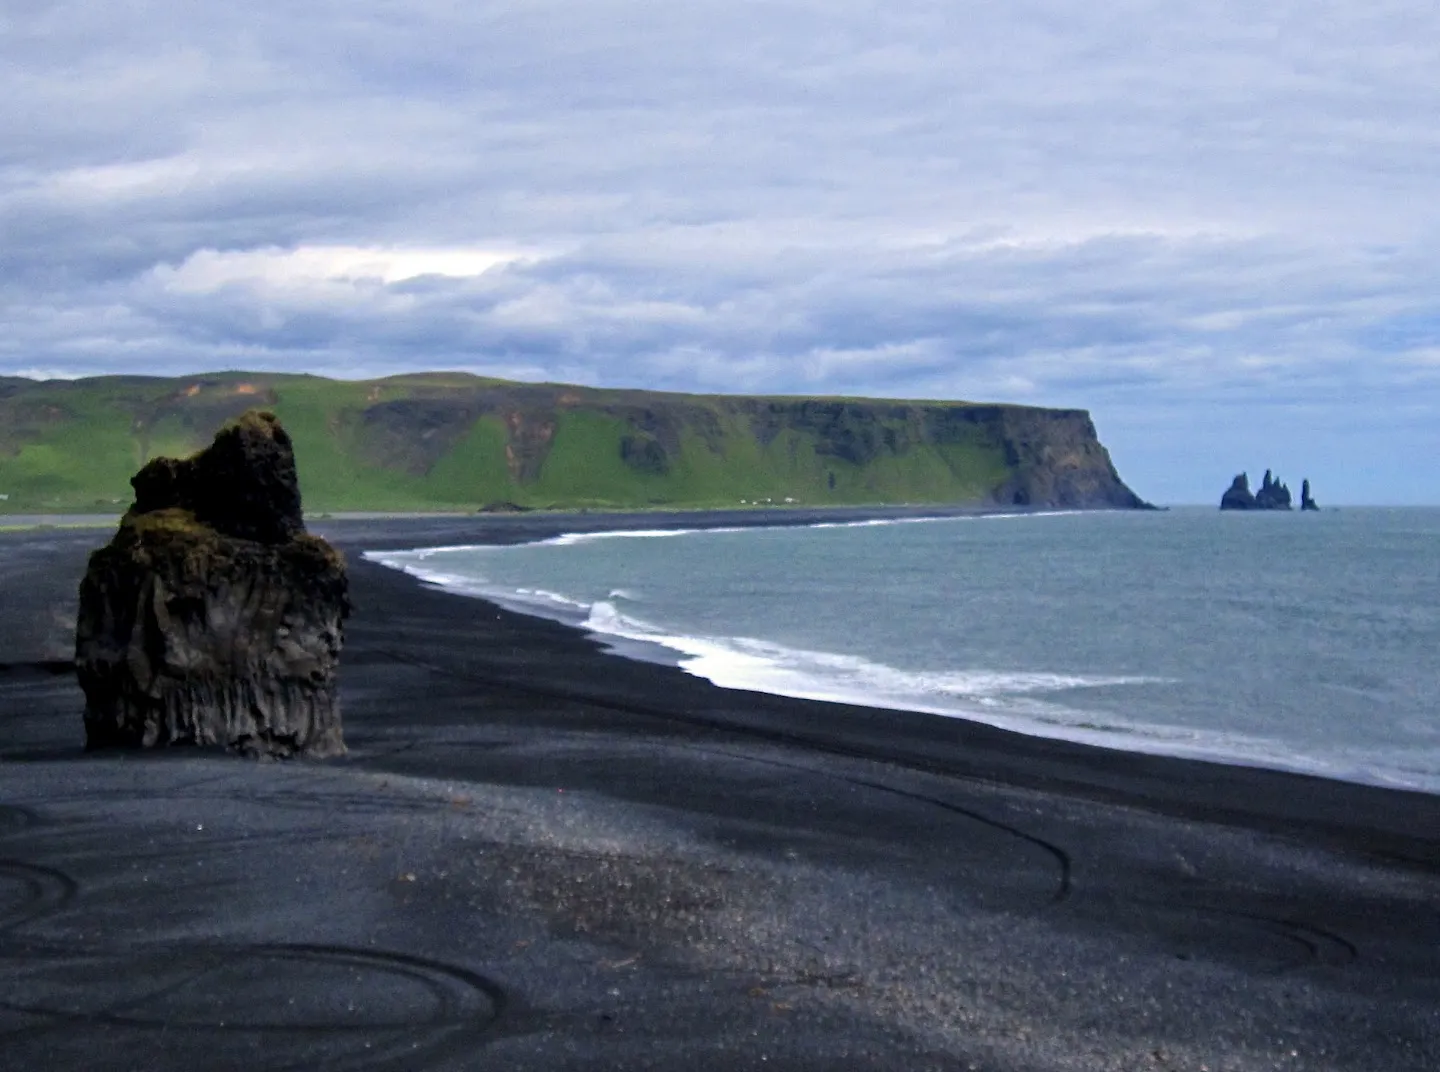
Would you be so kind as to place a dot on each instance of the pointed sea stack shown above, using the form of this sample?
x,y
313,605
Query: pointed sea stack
x,y
1272,495
1238,496
213,617
1306,502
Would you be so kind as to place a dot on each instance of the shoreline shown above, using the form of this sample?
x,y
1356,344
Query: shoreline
x,y
1402,823
658,651
540,856
1269,798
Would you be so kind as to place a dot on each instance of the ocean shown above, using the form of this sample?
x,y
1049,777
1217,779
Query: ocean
x,y
1302,642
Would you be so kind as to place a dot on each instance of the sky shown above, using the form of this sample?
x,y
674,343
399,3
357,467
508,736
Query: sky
x,y
1215,226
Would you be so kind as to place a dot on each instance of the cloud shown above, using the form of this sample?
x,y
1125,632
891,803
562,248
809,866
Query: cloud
x,y
278,271
1138,208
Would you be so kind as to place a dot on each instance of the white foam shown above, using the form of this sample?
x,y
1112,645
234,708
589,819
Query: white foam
x,y
1006,698
881,522
876,522
538,601
570,539
422,553
542,595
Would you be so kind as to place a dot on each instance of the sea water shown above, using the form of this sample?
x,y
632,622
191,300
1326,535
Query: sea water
x,y
1297,641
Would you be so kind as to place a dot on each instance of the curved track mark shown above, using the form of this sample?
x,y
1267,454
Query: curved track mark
x,y
440,1006
380,802
1318,946
28,892
1059,855
1323,947
774,736
13,817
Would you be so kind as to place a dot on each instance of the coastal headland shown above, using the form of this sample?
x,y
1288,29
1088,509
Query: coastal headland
x,y
453,441
538,855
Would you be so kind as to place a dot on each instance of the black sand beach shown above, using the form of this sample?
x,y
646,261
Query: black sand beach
x,y
541,856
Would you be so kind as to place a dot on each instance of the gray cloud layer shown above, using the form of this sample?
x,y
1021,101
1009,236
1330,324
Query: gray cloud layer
x,y
1217,228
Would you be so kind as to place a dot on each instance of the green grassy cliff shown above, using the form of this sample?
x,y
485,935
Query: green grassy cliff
x,y
452,441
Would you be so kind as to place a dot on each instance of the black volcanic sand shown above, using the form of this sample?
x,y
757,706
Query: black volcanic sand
x,y
541,856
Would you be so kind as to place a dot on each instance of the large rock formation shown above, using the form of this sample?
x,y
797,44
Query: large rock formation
x,y
1306,502
1272,495
1238,495
213,617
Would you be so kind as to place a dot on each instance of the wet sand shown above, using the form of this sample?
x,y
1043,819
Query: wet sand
x,y
541,856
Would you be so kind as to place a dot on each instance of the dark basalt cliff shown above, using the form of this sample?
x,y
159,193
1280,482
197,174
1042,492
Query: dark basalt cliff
x,y
1056,459
212,617
677,448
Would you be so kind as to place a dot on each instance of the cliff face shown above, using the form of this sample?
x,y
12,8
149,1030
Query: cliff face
x,y
1057,460
457,441
212,617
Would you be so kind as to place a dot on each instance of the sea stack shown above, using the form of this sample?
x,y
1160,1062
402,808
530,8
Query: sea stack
x,y
1238,495
1306,502
1273,495
213,617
